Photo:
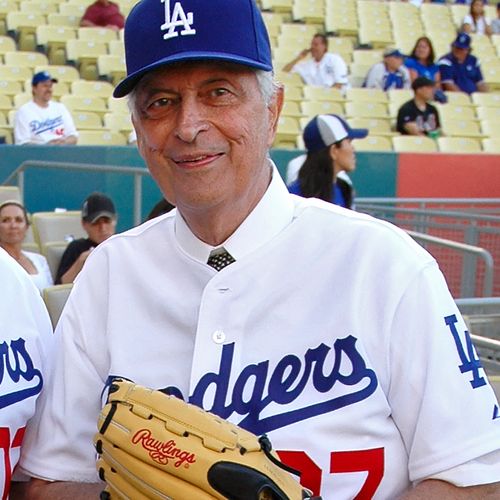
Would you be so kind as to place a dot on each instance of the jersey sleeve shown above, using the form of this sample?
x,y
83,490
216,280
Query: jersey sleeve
x,y
446,70
22,132
58,440
441,401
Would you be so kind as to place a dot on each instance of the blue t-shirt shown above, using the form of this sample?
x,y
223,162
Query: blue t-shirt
x,y
337,195
422,70
465,75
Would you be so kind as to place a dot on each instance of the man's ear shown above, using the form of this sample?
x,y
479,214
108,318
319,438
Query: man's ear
x,y
275,107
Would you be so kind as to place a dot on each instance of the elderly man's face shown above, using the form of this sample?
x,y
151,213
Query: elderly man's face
x,y
204,130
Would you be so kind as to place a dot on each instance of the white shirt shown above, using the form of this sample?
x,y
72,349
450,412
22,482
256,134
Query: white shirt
x,y
26,339
38,125
43,278
331,70
377,75
276,343
480,26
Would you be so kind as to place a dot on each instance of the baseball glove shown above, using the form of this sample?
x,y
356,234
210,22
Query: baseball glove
x,y
154,446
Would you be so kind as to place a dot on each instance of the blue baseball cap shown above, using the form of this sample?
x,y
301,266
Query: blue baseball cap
x,y
462,41
42,76
158,33
324,130
392,52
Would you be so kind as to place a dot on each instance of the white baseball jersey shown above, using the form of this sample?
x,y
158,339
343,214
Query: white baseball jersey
x,y
331,70
333,332
26,344
36,125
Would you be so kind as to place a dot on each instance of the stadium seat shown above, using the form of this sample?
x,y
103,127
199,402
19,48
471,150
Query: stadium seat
x,y
366,110
16,73
95,34
92,89
308,11
38,7
459,145
491,128
293,94
376,126
487,99
57,226
373,143
366,56
101,138
289,79
374,36
413,144
10,87
20,99
84,53
52,39
6,135
357,73
118,105
288,130
313,93
78,103
366,95
291,108
491,76
116,48
22,25
53,251
111,67
313,108
459,98
277,5
7,44
87,120
9,193
460,128
5,103
26,59
55,298
65,20
118,122
398,97
71,9
458,12
6,6
63,73
491,145
342,24
452,111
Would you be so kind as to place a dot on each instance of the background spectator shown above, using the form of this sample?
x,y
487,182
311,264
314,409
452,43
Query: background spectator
x,y
421,61
495,24
460,70
43,121
104,14
475,21
329,152
13,228
160,208
390,73
99,222
417,116
323,69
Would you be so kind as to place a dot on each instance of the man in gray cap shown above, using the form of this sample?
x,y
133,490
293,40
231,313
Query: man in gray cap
x,y
332,332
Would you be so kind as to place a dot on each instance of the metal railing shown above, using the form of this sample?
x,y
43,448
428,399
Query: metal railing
x,y
138,173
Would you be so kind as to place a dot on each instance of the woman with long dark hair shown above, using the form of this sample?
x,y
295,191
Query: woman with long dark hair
x,y
330,155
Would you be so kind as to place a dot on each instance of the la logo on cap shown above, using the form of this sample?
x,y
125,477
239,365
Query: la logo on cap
x,y
177,19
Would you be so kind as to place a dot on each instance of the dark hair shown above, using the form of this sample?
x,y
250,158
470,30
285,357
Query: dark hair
x,y
162,207
432,55
323,37
16,203
474,18
316,175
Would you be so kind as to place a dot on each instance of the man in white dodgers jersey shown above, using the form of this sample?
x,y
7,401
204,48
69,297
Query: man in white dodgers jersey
x,y
26,342
331,331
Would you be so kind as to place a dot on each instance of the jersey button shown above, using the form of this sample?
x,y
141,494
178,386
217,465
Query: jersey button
x,y
218,336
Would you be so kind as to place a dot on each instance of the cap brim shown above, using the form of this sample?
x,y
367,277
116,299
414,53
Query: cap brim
x,y
98,215
358,133
126,85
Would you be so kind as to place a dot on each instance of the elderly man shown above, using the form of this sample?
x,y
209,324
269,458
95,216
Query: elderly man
x,y
43,121
389,73
460,70
323,68
332,332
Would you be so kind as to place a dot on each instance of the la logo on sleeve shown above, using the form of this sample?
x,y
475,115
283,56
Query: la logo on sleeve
x,y
177,19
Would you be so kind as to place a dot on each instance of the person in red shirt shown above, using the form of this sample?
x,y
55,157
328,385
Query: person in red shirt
x,y
104,14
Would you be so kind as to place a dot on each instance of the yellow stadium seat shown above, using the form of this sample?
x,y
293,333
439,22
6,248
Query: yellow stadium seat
x,y
343,24
293,94
340,44
26,59
357,73
66,20
7,44
313,93
57,226
491,76
9,193
22,98
376,126
118,105
490,99
111,67
313,108
459,98
451,111
458,12
53,39
84,54
366,56
366,95
491,128
6,6
399,96
289,79
373,143
488,112
63,73
277,5
6,135
95,34
460,128
288,130
459,145
79,103
38,7
491,145
10,87
118,122
291,108
58,89
117,48
5,103
414,144
375,36
366,110
87,120
11,117
100,138
72,9
23,25
92,89
18,73
308,11
55,298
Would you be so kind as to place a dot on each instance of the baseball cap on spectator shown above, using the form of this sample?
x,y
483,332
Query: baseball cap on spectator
x,y
97,205
421,81
196,30
324,130
462,41
393,52
42,76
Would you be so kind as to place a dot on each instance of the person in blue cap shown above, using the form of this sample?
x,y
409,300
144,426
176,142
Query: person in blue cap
x,y
389,73
42,120
330,331
460,70
330,156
